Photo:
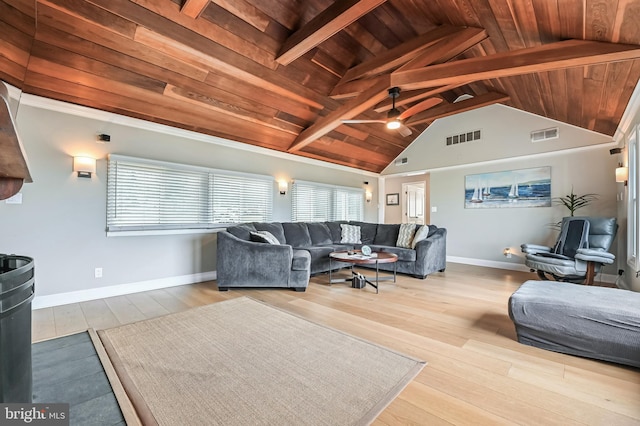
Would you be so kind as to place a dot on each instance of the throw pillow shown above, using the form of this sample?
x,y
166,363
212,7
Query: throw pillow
x,y
421,234
405,236
350,234
263,237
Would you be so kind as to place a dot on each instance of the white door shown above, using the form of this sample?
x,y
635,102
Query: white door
x,y
413,202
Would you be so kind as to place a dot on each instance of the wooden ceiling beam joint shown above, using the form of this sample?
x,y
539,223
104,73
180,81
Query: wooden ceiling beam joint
x,y
352,108
330,21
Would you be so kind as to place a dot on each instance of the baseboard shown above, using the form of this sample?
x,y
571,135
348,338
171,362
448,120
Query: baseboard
x,y
605,278
488,263
50,300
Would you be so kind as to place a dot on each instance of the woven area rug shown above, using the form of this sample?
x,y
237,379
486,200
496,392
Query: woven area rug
x,y
242,362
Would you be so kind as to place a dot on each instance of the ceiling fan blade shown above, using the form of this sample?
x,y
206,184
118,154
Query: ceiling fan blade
x,y
419,107
404,131
362,121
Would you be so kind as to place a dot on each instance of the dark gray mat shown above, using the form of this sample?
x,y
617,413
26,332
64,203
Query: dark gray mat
x,y
67,370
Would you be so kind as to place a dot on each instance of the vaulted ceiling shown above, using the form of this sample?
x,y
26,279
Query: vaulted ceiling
x,y
284,74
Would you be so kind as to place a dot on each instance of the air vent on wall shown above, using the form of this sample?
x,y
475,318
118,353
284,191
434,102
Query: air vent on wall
x,y
473,135
401,161
544,135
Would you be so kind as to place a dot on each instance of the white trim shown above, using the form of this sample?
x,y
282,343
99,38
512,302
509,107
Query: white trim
x,y
629,114
605,278
488,263
112,118
505,160
50,300
13,91
165,232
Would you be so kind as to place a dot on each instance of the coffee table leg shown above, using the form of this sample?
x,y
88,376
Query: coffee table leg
x,y
330,268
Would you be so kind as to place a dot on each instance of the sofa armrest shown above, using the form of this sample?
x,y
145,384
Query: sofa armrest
x,y
594,255
242,263
431,253
534,248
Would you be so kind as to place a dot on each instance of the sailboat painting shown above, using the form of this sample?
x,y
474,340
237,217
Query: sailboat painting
x,y
512,188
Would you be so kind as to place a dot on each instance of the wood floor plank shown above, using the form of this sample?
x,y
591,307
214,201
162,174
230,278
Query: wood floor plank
x,y
124,310
98,315
43,325
146,304
457,321
69,319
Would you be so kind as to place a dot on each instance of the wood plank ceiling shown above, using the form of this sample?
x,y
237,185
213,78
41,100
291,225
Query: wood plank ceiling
x,y
283,74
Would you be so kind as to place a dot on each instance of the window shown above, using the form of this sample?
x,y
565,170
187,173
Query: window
x,y
632,214
315,202
147,195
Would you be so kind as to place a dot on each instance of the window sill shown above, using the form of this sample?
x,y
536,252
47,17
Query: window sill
x,y
165,232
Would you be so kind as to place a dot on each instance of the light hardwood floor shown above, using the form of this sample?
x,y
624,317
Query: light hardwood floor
x,y
457,321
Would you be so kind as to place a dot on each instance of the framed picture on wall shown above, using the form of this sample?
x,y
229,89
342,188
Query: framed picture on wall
x,y
393,199
508,189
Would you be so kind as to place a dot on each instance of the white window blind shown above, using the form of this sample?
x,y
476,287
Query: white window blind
x,y
315,202
149,195
632,214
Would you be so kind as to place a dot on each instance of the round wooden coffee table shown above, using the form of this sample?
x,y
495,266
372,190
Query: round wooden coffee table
x,y
355,257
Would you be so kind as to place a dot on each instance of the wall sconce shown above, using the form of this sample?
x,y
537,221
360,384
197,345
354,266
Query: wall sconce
x,y
622,174
84,166
507,252
283,186
367,196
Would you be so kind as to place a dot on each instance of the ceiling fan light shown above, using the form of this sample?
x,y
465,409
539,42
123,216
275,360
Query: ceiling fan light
x,y
393,125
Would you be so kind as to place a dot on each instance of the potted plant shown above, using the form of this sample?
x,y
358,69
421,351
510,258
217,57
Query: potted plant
x,y
574,202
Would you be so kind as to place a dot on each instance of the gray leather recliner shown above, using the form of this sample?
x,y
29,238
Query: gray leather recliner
x,y
578,255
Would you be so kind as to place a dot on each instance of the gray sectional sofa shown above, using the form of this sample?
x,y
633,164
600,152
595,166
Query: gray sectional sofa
x,y
304,248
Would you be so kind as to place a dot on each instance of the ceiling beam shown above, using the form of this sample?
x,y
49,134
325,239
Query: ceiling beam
x,y
193,8
446,49
330,21
428,116
438,46
367,100
549,57
399,55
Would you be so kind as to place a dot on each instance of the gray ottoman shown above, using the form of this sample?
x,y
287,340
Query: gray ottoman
x,y
593,322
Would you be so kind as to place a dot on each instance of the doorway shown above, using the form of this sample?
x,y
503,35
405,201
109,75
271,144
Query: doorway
x,y
413,202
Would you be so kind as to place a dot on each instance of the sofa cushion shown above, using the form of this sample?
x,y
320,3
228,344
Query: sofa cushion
x,y
405,235
367,231
387,235
319,233
404,254
241,231
275,229
350,234
297,234
263,237
336,230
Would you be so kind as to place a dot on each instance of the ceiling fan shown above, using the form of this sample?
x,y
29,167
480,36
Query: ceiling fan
x,y
395,117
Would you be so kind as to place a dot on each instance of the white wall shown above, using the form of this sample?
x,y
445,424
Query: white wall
x,y
485,233
629,122
505,134
61,222
578,158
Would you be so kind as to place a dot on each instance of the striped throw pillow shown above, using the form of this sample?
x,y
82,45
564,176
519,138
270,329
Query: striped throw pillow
x,y
350,234
405,236
263,237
